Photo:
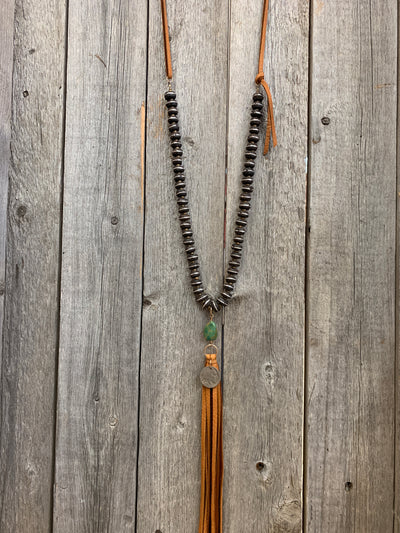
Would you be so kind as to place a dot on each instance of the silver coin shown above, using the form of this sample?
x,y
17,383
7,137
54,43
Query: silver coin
x,y
210,377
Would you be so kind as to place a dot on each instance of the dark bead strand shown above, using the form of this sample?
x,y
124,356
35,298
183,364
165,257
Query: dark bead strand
x,y
183,204
244,201
182,201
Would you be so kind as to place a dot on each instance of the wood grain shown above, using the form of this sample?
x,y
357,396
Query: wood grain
x,y
172,341
101,286
31,305
351,277
264,323
6,67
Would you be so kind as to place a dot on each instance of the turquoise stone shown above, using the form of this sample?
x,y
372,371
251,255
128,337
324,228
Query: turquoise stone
x,y
210,331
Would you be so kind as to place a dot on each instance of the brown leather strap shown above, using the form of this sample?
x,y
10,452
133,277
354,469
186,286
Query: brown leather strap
x,y
259,78
167,49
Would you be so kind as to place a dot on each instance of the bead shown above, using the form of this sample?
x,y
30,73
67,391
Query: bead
x,y
181,194
190,250
258,97
249,164
196,282
248,188
257,106
237,255
182,201
243,214
173,127
250,155
226,295
241,222
255,121
184,209
169,95
232,271
184,218
187,233
179,177
215,306
176,144
248,172
178,169
177,152
206,302
245,197
172,112
177,161
231,279
251,147
240,231
244,205
188,241
180,186
254,130
195,274
199,290
256,114
195,266
234,263
193,257
175,136
237,247
202,297
173,119
222,301
253,138
171,103
247,181
210,331
185,225
238,239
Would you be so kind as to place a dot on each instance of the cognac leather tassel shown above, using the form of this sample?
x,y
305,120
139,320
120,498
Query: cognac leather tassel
x,y
212,468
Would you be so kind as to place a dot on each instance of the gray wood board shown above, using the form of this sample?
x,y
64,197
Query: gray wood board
x,y
31,304
6,68
101,286
264,323
172,341
351,276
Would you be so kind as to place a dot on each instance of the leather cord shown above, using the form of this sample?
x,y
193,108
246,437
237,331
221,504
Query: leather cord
x,y
270,131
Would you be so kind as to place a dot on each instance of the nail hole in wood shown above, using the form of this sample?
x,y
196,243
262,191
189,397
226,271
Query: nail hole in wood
x,y
21,211
25,94
348,486
260,466
325,121
114,221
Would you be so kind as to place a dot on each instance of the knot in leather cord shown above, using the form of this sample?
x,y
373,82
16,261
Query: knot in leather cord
x,y
261,80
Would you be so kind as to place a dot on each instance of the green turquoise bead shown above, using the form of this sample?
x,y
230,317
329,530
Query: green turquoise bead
x,y
210,331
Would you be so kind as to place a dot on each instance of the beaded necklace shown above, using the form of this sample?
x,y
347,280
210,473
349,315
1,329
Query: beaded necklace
x,y
210,520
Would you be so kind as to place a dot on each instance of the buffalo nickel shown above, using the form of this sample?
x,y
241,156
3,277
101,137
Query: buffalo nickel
x,y
210,377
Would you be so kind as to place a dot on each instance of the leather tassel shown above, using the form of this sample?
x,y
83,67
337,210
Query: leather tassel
x,y
212,469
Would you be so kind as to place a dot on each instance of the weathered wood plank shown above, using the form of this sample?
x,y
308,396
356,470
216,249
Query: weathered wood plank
x,y
351,275
101,268
264,323
6,67
172,342
396,510
31,303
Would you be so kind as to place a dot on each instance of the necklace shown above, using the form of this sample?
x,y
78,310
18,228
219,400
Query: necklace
x,y
211,418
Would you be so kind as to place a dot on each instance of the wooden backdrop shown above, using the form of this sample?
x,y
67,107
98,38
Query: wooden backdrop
x,y
101,337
